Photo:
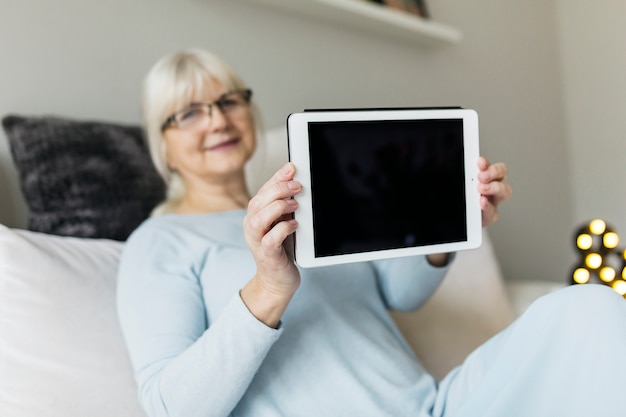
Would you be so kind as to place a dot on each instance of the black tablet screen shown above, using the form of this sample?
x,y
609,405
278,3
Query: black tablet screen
x,y
388,184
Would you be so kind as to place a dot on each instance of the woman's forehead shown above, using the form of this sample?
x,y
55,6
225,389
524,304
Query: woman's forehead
x,y
199,89
209,90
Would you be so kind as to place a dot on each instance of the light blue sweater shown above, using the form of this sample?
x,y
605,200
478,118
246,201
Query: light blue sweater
x,y
198,351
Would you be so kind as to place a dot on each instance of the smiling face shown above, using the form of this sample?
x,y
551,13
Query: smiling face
x,y
214,150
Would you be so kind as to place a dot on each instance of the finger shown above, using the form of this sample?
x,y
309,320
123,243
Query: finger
x,y
280,185
499,170
277,191
262,221
483,163
285,173
494,172
272,242
273,252
496,191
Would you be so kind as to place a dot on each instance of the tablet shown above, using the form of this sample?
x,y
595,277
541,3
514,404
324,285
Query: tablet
x,y
384,183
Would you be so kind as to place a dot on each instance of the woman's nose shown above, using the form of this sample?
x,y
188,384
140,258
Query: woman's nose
x,y
218,119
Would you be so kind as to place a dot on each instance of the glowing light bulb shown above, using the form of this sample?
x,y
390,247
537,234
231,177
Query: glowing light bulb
x,y
610,240
619,286
593,260
603,259
581,276
597,226
584,241
607,274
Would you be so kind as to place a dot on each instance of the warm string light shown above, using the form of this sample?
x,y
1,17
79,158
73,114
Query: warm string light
x,y
600,258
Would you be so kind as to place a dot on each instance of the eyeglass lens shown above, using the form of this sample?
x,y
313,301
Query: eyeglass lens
x,y
230,104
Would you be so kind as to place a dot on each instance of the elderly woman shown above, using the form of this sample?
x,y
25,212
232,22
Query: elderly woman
x,y
219,320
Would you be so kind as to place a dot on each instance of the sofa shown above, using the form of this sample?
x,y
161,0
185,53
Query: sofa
x,y
61,349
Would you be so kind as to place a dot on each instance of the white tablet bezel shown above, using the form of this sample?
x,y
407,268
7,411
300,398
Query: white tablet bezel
x,y
298,142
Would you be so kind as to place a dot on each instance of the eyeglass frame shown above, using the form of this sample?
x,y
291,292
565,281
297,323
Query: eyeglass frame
x,y
219,103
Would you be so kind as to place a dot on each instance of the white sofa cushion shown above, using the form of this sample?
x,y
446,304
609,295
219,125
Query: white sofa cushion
x,y
61,350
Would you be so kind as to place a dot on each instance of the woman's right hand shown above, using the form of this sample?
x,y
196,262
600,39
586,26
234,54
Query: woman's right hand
x,y
267,225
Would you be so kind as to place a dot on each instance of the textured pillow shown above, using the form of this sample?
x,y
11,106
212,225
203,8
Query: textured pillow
x,y
83,178
61,349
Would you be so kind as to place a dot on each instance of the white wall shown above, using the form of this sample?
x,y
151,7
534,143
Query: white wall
x,y
594,70
87,59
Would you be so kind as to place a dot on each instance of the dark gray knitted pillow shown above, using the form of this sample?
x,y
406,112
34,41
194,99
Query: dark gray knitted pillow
x,y
83,178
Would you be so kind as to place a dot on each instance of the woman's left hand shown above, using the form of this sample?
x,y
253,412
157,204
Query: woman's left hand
x,y
493,190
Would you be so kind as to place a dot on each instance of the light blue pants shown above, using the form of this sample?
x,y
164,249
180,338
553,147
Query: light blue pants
x,y
564,357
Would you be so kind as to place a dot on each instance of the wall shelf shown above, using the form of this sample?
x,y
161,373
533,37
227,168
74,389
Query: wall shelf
x,y
371,18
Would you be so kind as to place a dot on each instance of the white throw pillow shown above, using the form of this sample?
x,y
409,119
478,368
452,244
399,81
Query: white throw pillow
x,y
61,349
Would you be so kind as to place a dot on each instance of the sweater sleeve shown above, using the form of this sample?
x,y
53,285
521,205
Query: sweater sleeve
x,y
406,283
183,365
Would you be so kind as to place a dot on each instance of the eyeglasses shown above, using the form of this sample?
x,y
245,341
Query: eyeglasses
x,y
233,103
